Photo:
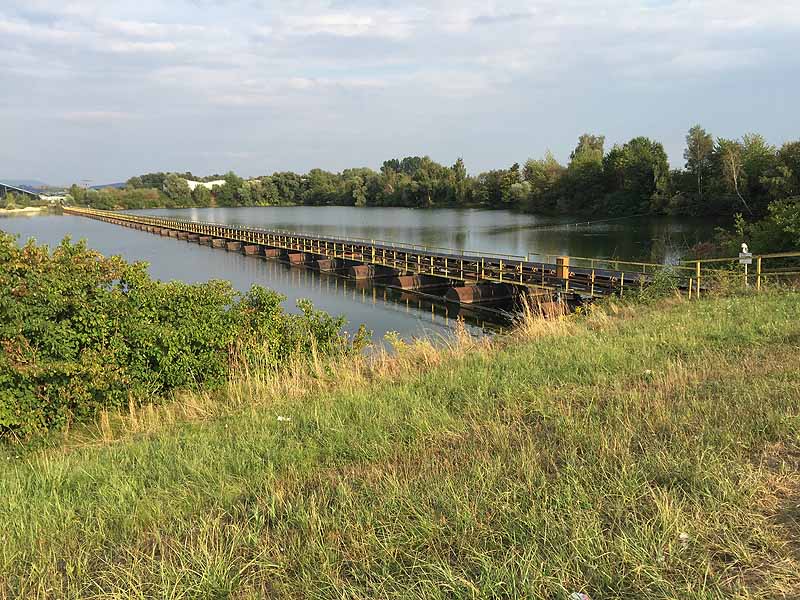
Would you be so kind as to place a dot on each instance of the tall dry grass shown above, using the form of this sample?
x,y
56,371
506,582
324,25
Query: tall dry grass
x,y
254,383
624,453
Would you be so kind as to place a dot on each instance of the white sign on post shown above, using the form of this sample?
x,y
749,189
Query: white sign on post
x,y
745,258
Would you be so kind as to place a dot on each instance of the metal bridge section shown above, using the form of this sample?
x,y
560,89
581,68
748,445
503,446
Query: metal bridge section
x,y
472,277
5,188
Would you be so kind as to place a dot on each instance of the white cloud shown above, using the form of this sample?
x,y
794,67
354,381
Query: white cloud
x,y
380,24
37,33
710,60
98,116
145,29
135,47
272,65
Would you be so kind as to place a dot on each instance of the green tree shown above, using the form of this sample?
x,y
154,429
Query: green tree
x,y
411,164
759,160
244,195
358,190
582,188
544,176
431,182
289,186
152,180
459,182
497,189
263,192
698,153
637,175
519,193
227,194
589,148
177,190
78,194
392,184
731,156
786,215
323,188
201,196
489,188
784,181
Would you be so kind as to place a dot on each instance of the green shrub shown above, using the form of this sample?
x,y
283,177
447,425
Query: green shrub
x,y
80,332
665,283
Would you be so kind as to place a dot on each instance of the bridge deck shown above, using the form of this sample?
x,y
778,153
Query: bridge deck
x,y
466,267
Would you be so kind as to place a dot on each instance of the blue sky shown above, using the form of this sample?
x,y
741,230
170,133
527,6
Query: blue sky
x,y
103,90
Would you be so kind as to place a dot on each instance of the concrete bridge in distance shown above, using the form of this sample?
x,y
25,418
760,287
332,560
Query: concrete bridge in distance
x,y
6,188
462,277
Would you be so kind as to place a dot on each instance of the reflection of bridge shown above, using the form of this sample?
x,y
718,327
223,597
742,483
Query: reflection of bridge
x,y
462,277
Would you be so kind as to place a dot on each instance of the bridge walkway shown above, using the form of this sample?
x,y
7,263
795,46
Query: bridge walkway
x,y
460,267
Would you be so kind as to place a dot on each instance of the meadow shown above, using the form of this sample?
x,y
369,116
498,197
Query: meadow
x,y
632,452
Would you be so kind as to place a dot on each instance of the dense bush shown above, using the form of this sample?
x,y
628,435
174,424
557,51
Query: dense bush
x,y
12,200
80,332
778,231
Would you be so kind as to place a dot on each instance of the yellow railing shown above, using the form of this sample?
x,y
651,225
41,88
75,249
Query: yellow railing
x,y
753,271
692,277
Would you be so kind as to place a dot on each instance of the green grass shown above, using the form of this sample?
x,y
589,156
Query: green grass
x,y
651,454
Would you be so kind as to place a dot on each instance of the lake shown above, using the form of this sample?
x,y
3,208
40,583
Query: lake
x,y
647,239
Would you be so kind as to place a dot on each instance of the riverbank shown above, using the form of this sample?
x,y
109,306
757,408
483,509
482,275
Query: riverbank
x,y
634,453
27,210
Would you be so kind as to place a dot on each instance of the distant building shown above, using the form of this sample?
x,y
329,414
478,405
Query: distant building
x,y
206,184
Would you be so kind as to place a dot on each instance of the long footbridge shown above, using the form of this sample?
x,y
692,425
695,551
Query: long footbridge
x,y
463,277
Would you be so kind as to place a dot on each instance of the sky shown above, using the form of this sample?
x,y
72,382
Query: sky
x,y
99,90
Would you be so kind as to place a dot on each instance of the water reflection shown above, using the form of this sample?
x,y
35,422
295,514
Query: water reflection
x,y
651,239
379,309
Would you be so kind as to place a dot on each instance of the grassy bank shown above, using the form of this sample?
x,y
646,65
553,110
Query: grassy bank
x,y
27,210
646,454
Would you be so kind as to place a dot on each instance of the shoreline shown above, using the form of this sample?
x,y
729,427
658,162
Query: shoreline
x,y
27,210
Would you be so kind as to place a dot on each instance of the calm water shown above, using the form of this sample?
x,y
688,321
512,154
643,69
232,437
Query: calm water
x,y
381,311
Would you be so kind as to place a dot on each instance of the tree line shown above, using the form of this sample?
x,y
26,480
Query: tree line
x,y
720,177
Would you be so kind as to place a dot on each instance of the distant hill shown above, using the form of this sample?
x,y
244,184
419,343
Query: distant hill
x,y
33,185
118,186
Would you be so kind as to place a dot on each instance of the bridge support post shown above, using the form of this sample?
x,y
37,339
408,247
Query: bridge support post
x,y
480,293
562,269
298,258
329,265
417,282
361,272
